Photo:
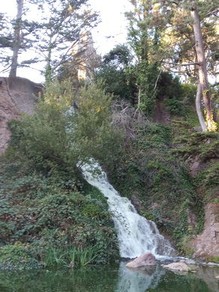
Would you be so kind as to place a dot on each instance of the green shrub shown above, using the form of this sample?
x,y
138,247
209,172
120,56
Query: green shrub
x,y
50,218
175,107
53,140
93,134
69,258
41,138
189,92
17,257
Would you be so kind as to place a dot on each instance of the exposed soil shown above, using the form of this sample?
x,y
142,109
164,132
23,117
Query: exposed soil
x,y
207,244
17,95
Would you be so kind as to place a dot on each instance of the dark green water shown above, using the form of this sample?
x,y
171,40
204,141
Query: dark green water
x,y
115,279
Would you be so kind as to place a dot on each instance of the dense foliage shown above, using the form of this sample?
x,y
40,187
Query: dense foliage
x,y
48,211
50,217
51,222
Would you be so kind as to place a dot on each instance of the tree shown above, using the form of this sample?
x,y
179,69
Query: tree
x,y
203,86
183,34
17,38
196,53
201,44
62,24
144,37
116,72
81,64
47,31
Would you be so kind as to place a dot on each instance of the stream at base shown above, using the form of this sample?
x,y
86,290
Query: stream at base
x,y
110,279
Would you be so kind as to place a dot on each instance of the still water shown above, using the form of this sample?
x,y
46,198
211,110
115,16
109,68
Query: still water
x,y
110,279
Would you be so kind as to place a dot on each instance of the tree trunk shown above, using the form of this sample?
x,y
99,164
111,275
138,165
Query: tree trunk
x,y
48,71
17,39
203,87
198,108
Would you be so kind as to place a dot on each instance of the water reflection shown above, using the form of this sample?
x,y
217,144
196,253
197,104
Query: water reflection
x,y
110,279
138,280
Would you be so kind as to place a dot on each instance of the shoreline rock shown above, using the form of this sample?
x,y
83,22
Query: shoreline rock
x,y
147,259
179,267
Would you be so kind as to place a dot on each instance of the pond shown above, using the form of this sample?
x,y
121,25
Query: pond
x,y
114,278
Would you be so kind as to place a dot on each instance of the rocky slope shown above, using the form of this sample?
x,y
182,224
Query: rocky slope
x,y
17,96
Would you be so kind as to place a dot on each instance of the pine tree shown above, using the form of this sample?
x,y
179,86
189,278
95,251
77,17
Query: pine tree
x,y
44,31
62,23
144,40
17,39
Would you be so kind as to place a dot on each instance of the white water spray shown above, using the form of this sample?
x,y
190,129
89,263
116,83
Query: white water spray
x,y
136,235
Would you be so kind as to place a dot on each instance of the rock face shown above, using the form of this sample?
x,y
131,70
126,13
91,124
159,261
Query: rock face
x,y
147,259
17,95
207,244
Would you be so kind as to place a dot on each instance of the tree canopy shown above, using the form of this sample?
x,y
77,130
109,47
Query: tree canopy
x,y
46,31
179,37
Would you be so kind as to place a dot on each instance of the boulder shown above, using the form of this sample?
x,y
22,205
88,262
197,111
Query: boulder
x,y
147,259
178,267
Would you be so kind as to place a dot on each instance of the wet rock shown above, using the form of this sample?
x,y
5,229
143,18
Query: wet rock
x,y
178,267
147,259
136,202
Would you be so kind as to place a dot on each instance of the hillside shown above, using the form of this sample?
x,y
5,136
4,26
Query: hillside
x,y
168,171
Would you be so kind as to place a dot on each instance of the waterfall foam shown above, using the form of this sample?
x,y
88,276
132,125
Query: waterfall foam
x,y
136,235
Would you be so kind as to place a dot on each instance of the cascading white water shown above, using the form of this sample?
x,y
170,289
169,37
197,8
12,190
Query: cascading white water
x,y
136,235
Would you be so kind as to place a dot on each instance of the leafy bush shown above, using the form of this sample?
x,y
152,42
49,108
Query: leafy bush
x,y
17,256
93,133
41,138
189,92
175,107
52,219
59,94
53,140
201,145
169,87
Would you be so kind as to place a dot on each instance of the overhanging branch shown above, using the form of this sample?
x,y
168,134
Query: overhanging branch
x,y
184,64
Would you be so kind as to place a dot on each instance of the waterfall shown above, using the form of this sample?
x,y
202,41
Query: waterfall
x,y
136,235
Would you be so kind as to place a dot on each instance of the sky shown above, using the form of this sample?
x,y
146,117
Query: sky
x,y
110,31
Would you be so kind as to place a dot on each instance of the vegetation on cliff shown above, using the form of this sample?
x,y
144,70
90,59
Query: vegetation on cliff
x,y
50,217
